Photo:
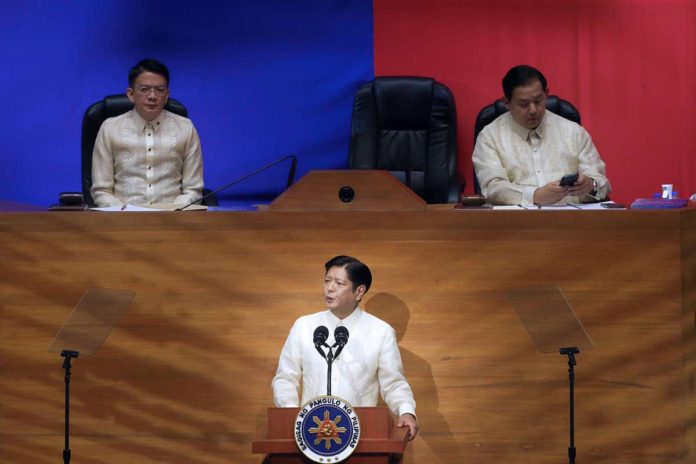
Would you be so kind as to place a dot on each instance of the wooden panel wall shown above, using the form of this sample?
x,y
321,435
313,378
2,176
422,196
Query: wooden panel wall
x,y
185,376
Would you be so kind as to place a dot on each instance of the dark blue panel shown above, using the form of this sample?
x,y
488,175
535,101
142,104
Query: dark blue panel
x,y
260,79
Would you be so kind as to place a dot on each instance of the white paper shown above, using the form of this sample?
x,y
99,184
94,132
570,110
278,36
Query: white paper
x,y
126,209
151,208
572,207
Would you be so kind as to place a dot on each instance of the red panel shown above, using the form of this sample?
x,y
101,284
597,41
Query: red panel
x,y
628,65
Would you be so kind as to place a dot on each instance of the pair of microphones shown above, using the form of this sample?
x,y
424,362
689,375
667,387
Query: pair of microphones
x,y
321,333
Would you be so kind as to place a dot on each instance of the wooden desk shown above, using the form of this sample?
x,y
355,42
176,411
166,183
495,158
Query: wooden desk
x,y
7,206
185,376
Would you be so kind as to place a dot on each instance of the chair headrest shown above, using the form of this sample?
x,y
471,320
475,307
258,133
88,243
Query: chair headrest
x,y
554,104
115,105
403,102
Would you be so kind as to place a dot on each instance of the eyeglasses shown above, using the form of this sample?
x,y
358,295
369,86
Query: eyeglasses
x,y
145,90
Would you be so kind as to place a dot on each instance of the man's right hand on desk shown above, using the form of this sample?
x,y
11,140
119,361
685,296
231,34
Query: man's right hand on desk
x,y
550,193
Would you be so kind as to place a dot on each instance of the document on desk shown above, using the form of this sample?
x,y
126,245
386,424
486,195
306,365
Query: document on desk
x,y
582,206
175,207
150,208
554,208
572,207
509,208
536,208
124,209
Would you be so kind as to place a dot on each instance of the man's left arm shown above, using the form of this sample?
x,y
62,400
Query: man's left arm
x,y
395,390
192,170
593,183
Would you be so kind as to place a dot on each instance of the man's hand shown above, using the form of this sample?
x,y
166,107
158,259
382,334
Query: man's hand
x,y
582,186
552,193
409,420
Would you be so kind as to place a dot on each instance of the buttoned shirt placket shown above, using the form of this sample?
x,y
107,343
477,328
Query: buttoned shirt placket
x,y
349,323
534,141
149,157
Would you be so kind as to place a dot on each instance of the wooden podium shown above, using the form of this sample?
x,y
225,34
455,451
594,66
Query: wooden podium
x,y
348,190
380,441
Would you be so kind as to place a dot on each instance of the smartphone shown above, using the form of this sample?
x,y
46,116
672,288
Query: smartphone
x,y
568,179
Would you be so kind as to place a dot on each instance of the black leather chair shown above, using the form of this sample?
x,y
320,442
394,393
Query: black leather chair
x,y
96,114
408,126
489,113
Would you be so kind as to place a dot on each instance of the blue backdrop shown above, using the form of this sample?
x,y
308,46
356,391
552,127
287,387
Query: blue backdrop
x,y
260,80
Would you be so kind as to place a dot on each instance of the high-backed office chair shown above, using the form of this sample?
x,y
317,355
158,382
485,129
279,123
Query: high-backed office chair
x,y
408,126
489,113
96,114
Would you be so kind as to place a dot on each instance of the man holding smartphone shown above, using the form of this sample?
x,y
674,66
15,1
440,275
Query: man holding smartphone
x,y
531,156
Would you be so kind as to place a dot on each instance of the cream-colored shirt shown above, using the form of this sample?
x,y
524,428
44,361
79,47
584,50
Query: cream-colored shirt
x,y
511,161
369,364
142,162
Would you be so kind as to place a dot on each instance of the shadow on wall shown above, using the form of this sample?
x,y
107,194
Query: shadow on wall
x,y
434,429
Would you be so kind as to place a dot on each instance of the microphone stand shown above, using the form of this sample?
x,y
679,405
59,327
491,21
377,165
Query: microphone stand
x,y
330,358
329,361
571,352
68,355
291,179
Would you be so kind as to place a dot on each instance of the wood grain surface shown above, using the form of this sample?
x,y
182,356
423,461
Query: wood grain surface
x,y
185,375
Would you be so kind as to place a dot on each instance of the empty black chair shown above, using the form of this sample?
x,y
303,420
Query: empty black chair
x,y
96,114
408,126
490,112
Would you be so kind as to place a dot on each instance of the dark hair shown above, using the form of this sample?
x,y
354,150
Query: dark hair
x,y
358,273
147,65
522,75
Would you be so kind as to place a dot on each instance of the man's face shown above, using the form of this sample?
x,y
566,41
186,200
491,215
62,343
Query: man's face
x,y
339,293
528,104
149,94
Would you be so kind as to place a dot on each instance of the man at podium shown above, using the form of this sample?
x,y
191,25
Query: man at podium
x,y
370,362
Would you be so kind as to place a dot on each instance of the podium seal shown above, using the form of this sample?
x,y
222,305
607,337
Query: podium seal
x,y
327,429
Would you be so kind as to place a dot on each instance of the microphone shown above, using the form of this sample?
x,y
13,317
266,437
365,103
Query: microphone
x,y
321,333
291,179
341,336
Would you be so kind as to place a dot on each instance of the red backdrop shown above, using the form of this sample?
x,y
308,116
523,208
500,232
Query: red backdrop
x,y
628,65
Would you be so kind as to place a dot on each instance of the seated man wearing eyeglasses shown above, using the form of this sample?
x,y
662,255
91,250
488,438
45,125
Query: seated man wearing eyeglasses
x,y
147,155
